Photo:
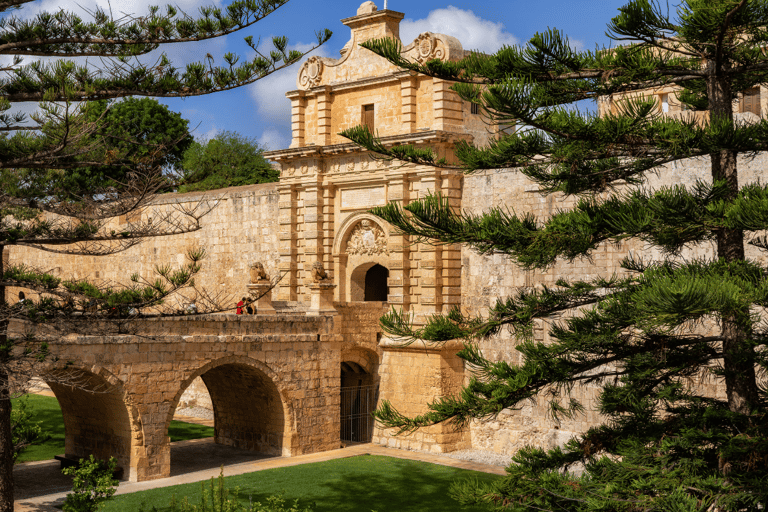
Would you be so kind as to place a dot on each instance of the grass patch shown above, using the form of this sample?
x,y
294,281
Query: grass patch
x,y
46,410
181,431
359,484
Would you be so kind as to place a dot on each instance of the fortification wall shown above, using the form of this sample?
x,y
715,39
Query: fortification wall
x,y
486,278
240,230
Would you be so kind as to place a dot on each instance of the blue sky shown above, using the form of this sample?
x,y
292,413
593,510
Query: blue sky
x,y
261,110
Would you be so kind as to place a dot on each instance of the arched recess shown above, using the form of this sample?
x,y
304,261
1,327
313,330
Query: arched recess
x,y
248,408
349,261
99,419
359,394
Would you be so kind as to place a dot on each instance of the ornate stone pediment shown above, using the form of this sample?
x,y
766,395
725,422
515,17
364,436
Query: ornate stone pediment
x,y
367,238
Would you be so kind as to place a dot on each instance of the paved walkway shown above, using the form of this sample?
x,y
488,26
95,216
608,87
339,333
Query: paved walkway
x,y
199,460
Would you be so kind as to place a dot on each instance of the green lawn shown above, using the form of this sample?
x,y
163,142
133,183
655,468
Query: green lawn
x,y
359,484
45,409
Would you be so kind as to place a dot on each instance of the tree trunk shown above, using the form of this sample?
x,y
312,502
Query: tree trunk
x,y
6,439
6,448
738,357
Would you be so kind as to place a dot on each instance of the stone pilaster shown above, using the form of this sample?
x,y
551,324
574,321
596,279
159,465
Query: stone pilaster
x,y
287,244
324,117
447,107
430,266
399,270
408,103
298,107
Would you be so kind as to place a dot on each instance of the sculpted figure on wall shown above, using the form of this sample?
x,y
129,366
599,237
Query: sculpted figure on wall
x,y
367,238
258,273
319,274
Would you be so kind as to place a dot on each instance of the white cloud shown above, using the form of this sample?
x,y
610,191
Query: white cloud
x,y
271,104
273,139
474,33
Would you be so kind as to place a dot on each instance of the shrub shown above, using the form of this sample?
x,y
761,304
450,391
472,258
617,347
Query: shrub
x,y
93,484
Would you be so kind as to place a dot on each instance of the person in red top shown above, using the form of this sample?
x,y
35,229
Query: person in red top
x,y
240,306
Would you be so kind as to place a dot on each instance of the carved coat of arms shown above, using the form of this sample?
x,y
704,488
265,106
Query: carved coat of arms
x,y
367,239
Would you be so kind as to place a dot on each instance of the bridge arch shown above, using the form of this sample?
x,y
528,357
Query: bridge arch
x,y
250,411
100,418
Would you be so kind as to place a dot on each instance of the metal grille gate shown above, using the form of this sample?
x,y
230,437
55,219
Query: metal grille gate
x,y
357,403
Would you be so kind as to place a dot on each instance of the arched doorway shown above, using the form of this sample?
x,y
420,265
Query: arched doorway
x,y
359,396
376,287
369,282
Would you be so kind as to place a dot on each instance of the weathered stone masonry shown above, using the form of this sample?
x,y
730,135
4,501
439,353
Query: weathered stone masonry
x,y
274,380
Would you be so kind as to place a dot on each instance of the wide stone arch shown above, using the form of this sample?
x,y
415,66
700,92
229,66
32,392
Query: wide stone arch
x,y
351,268
100,417
250,409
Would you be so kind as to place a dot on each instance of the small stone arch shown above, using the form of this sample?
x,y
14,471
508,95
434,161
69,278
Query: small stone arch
x,y
367,359
250,411
359,394
100,419
351,267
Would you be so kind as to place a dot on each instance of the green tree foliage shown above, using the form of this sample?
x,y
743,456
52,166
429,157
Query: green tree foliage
x,y
92,484
47,199
650,335
227,160
132,130
25,430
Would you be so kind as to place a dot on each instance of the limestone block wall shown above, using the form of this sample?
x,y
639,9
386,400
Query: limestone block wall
x,y
240,230
411,377
488,278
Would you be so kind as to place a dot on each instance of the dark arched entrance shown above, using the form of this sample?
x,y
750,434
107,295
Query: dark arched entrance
x,y
358,400
376,287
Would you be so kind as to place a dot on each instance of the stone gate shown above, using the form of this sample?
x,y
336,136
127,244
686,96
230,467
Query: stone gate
x,y
275,379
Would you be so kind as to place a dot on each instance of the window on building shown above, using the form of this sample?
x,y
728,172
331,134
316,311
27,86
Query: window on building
x,y
368,117
750,102
475,108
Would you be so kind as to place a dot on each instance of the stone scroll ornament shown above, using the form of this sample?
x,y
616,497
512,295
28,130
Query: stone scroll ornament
x,y
428,47
311,72
367,239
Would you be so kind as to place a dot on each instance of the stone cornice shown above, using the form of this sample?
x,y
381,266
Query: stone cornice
x,y
416,139
352,84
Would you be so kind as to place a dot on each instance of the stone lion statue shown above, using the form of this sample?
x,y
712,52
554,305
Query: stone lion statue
x,y
318,272
258,273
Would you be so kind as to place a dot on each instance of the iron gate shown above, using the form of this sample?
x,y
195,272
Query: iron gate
x,y
357,404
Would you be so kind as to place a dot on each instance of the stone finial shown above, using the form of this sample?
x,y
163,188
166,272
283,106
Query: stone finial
x,y
367,8
319,274
258,273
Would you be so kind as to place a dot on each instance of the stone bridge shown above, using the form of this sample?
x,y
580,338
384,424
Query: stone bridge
x,y
274,381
